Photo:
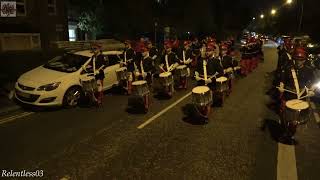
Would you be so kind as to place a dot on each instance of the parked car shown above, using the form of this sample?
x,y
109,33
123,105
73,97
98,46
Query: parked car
x,y
58,83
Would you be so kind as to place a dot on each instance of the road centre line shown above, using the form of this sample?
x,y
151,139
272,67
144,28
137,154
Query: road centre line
x,y
286,166
163,111
15,117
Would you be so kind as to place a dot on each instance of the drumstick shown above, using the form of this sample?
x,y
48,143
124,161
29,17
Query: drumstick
x,y
287,90
296,83
184,57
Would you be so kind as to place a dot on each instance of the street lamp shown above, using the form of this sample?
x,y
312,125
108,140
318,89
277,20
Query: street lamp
x,y
262,16
289,2
273,12
253,18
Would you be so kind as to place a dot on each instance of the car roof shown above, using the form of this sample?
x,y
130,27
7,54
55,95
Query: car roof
x,y
89,53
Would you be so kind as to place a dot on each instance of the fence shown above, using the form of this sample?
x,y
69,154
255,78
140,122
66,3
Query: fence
x,y
107,44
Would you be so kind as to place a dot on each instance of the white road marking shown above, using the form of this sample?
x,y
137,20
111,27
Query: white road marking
x,y
286,167
15,117
163,111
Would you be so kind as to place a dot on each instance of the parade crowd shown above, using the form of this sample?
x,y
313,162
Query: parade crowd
x,y
146,68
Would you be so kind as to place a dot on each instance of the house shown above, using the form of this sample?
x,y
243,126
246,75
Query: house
x,y
36,24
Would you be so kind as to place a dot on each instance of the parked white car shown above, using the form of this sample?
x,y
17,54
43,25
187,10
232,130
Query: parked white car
x,y
58,81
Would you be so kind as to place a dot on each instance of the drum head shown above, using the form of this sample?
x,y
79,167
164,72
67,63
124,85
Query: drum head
x,y
297,104
200,89
181,67
121,69
222,79
137,83
165,74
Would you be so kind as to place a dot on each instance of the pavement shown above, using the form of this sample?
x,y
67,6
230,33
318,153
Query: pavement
x,y
239,142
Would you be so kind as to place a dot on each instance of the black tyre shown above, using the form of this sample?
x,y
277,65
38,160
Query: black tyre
x,y
72,97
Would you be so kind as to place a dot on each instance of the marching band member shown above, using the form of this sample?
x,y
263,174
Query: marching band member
x,y
245,58
144,66
169,60
99,73
129,55
185,57
298,76
284,58
294,79
213,68
169,63
227,64
153,52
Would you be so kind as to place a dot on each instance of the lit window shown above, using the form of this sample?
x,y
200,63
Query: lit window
x,y
21,7
72,35
52,7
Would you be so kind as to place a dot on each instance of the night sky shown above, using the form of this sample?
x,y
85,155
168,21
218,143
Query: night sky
x,y
205,16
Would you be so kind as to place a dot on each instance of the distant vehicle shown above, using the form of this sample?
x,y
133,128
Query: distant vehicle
x,y
57,82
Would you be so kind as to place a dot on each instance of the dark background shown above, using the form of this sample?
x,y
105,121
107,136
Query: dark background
x,y
222,17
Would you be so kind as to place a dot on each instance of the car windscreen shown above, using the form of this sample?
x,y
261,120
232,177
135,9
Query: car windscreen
x,y
67,63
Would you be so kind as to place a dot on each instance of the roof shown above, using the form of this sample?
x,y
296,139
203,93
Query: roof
x,y
88,53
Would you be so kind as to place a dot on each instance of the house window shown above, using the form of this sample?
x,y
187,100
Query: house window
x,y
52,7
72,35
21,7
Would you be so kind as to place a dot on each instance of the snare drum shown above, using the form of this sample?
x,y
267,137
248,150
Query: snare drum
x,y
89,84
182,70
201,96
297,110
121,73
222,84
166,79
140,88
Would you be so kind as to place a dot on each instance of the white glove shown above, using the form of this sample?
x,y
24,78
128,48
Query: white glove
x,y
208,81
281,88
311,93
196,75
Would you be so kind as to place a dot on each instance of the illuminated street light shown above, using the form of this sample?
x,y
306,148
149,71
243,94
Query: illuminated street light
x,y
261,16
289,2
253,18
273,11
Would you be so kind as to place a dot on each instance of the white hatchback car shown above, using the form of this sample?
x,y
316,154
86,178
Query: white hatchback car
x,y
58,81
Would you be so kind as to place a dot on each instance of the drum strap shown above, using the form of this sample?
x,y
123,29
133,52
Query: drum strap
x,y
167,63
125,56
296,82
142,69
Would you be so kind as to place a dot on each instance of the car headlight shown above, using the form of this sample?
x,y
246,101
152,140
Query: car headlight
x,y
310,45
49,87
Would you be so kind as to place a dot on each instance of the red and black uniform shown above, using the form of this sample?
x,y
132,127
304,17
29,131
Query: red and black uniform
x,y
172,59
130,55
246,55
213,67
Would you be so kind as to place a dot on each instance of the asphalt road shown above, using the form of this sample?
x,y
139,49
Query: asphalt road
x,y
110,143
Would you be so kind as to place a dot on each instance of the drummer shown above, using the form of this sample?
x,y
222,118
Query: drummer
x,y
300,71
173,60
129,55
153,52
214,69
145,67
227,64
185,58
